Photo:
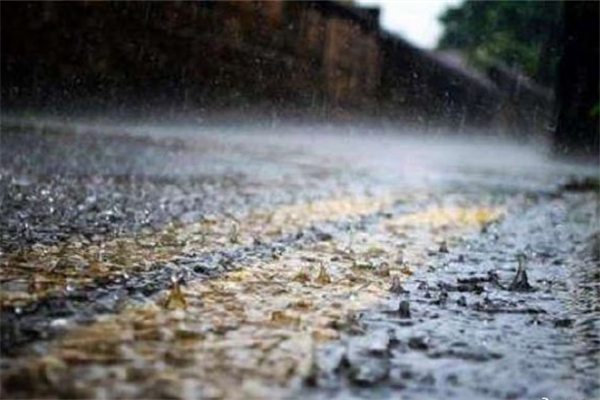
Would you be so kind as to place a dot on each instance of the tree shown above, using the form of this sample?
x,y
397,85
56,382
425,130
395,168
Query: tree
x,y
578,125
556,43
520,34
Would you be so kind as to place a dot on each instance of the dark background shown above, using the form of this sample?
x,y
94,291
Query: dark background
x,y
319,60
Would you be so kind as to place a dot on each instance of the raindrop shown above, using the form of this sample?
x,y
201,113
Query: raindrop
x,y
58,323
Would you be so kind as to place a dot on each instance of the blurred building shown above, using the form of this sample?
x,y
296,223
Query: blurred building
x,y
318,58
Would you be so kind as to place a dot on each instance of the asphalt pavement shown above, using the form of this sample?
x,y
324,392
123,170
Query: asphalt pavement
x,y
187,260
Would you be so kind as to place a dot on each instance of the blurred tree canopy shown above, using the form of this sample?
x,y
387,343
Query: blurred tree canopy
x,y
521,34
578,84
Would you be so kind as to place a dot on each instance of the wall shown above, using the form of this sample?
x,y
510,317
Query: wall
x,y
320,58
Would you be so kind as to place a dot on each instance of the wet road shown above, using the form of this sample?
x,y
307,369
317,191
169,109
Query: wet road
x,y
173,261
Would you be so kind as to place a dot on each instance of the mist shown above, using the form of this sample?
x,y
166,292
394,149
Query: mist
x,y
281,199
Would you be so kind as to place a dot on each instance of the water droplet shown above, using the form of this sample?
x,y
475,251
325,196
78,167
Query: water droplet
x,y
58,323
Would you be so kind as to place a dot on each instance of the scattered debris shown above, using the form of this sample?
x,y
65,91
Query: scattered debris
x,y
247,328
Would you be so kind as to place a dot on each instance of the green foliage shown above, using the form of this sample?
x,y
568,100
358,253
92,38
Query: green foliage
x,y
595,111
521,34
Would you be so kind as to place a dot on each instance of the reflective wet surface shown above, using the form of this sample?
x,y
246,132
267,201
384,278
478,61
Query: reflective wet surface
x,y
181,261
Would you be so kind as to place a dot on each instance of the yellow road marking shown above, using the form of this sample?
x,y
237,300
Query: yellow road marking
x,y
42,270
250,333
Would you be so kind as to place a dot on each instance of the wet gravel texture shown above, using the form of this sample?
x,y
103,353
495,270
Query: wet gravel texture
x,y
466,322
58,180
460,328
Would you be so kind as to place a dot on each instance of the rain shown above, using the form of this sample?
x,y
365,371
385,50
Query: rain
x,y
299,200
